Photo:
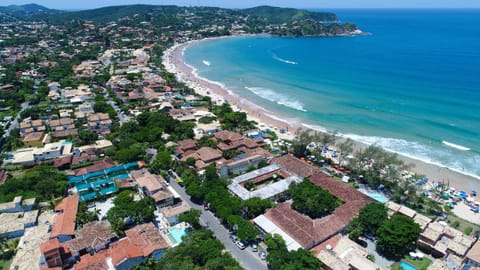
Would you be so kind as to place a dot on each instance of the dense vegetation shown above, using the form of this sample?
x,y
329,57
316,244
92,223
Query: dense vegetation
x,y
127,212
42,182
370,218
230,120
228,208
312,200
397,236
263,19
279,258
199,250
133,137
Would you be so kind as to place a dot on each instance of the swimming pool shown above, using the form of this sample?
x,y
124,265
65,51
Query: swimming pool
x,y
406,266
176,234
376,196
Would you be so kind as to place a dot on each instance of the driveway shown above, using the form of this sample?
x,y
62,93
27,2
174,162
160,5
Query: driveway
x,y
247,258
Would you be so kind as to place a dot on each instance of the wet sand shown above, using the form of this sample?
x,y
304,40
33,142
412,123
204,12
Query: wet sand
x,y
173,61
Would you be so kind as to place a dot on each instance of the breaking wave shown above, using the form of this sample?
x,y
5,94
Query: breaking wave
x,y
278,98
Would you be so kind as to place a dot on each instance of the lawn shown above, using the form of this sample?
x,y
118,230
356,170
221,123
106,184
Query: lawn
x,y
5,264
417,263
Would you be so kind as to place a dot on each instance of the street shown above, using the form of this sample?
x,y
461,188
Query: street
x,y
247,258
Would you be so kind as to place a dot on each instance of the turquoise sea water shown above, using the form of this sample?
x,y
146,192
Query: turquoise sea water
x,y
412,86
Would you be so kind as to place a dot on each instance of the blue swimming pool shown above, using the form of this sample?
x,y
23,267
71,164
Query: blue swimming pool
x,y
176,234
376,196
406,266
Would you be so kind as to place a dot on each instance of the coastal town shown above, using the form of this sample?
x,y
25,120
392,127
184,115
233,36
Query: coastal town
x,y
116,155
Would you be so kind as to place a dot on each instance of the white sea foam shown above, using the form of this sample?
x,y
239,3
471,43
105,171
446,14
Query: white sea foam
x,y
456,146
422,152
278,98
276,57
206,63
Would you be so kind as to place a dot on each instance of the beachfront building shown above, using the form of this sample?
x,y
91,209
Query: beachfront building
x,y
239,164
303,230
269,182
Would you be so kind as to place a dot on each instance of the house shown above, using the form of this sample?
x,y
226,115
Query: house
x,y
141,242
204,157
51,254
99,122
186,147
63,226
63,127
154,186
17,205
52,150
172,213
14,224
345,254
240,165
441,240
92,237
35,139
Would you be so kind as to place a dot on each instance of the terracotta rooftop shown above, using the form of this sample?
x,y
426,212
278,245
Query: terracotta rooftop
x,y
64,221
92,234
97,166
34,136
186,145
49,245
95,262
295,165
147,238
311,232
474,253
228,136
150,182
171,211
208,154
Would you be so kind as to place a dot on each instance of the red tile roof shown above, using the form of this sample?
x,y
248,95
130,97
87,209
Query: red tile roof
x,y
97,166
311,232
95,262
49,245
295,165
64,222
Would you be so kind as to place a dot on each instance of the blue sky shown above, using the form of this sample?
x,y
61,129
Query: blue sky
x,y
86,4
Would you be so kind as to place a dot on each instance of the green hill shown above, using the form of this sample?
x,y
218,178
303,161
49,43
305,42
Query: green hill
x,y
27,10
277,15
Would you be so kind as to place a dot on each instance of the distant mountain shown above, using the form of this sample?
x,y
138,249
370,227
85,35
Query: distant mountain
x,y
27,10
278,15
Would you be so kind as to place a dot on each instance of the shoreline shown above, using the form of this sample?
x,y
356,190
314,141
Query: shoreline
x,y
174,63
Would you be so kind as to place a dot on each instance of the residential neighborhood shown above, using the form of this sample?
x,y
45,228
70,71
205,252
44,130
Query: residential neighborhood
x,y
111,161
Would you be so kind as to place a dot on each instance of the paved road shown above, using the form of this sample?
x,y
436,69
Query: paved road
x,y
14,124
247,258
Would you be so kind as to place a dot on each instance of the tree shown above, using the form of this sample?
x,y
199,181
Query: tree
x,y
397,236
163,161
346,147
87,137
254,207
191,217
280,258
199,250
372,216
312,200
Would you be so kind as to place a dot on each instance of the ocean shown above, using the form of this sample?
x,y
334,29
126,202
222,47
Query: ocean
x,y
411,86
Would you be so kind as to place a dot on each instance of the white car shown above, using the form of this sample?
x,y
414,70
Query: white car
x,y
240,245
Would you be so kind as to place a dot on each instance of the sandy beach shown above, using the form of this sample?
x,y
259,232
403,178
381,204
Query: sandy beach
x,y
174,63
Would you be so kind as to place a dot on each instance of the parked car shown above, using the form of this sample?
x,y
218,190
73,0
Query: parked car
x,y
240,245
254,247
263,255
234,238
